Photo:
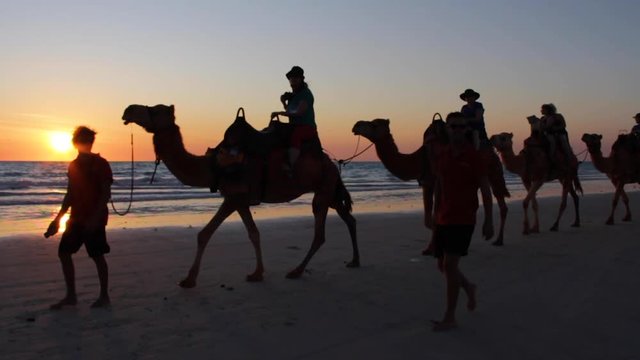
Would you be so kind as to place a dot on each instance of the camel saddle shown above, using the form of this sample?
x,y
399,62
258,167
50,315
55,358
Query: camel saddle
x,y
560,163
246,152
629,143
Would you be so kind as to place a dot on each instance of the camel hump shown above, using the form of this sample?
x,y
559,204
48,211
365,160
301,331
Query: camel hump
x,y
627,142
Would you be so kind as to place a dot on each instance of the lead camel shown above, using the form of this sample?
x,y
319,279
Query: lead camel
x,y
314,174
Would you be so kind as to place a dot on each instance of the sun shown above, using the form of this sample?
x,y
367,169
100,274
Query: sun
x,y
60,142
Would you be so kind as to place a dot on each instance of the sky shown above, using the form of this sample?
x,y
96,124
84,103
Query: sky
x,y
70,63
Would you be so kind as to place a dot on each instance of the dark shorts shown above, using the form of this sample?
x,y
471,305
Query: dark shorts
x,y
75,235
452,239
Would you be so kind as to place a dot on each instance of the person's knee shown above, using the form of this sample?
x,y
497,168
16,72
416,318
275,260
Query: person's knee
x,y
450,265
64,255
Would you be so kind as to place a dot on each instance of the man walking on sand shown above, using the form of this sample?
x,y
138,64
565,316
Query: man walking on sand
x,y
88,191
460,172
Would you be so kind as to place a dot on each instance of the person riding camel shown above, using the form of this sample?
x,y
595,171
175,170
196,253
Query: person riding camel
x,y
298,106
553,126
474,112
635,135
635,130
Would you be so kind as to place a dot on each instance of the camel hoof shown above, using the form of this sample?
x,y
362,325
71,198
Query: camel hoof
x,y
187,284
353,264
294,274
609,221
525,232
577,224
535,230
626,219
254,277
498,243
554,228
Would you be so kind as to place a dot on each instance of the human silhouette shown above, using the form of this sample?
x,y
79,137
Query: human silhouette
x,y
298,105
460,172
474,112
88,191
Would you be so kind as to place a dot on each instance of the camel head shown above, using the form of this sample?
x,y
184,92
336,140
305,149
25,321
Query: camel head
x,y
374,130
593,141
150,118
502,141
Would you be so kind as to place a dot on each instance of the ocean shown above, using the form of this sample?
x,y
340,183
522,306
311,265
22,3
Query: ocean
x,y
31,194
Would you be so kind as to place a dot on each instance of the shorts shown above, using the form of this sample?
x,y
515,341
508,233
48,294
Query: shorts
x,y
452,239
302,133
95,241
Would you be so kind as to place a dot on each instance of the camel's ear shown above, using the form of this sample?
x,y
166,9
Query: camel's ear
x,y
510,135
386,121
599,137
172,108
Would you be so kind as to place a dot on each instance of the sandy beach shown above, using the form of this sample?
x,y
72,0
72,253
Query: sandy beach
x,y
567,295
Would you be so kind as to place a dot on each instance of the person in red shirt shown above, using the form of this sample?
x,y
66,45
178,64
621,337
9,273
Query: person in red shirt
x,y
88,191
460,172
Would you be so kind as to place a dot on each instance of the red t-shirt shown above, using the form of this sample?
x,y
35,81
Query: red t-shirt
x,y
459,180
86,175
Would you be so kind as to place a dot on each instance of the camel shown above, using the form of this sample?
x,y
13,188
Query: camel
x,y
315,174
416,166
618,167
533,167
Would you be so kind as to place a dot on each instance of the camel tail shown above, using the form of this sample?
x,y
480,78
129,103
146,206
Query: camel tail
x,y
342,196
577,184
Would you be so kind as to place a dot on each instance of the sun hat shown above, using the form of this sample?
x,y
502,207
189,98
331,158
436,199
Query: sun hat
x,y
295,71
469,93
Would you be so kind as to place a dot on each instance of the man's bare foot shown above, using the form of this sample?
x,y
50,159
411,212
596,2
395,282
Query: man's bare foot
x,y
440,326
67,301
471,297
102,302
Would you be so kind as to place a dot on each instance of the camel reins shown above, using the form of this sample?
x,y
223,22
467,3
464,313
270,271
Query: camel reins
x,y
157,161
130,189
343,162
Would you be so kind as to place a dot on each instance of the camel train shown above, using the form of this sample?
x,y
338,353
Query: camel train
x,y
263,180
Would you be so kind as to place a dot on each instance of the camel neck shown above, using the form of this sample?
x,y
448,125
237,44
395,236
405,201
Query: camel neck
x,y
190,169
514,163
599,161
404,166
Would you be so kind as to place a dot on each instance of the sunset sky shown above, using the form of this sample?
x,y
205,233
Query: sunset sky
x,y
67,63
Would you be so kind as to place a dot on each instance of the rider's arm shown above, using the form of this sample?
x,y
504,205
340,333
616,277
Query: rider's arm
x,y
299,111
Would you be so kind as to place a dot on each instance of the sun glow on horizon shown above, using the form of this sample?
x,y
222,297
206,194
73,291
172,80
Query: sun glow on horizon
x,y
60,142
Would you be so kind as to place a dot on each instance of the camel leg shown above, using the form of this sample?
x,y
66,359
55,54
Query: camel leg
x,y
625,200
254,236
204,236
531,194
576,205
503,216
320,214
346,216
535,228
563,206
616,196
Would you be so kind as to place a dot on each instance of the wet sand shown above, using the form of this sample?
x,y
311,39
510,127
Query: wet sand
x,y
566,295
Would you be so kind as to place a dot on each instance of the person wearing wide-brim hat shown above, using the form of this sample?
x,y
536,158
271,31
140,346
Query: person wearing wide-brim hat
x,y
474,112
636,128
298,105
